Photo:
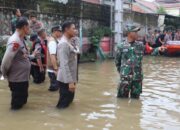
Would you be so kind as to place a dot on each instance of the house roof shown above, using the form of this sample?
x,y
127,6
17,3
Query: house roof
x,y
93,1
150,7
167,1
137,8
173,5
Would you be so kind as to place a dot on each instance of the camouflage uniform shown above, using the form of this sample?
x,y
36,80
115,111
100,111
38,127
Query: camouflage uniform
x,y
128,62
155,52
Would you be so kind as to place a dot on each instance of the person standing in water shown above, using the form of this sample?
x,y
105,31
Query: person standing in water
x,y
16,65
129,55
52,62
67,73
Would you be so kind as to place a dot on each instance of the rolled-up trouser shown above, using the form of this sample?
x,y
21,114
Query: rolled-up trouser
x,y
126,86
53,81
19,94
66,97
38,77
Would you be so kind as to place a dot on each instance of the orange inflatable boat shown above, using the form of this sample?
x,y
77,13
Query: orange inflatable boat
x,y
173,48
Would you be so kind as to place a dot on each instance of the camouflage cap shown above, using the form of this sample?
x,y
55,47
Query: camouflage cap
x,y
132,28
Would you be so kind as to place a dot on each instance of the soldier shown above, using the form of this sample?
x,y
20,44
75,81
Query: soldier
x,y
128,60
159,51
17,14
16,65
52,62
67,73
156,51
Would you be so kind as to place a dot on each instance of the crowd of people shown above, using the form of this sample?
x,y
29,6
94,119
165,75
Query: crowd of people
x,y
158,39
56,54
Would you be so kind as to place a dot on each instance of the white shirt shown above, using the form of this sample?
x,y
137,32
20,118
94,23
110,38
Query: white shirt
x,y
52,46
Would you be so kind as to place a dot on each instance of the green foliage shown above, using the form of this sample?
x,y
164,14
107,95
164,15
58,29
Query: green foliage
x,y
96,35
161,10
88,57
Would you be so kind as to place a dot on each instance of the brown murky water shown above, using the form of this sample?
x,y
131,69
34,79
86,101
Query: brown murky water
x,y
96,106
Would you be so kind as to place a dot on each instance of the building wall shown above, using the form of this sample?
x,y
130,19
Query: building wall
x,y
173,11
144,20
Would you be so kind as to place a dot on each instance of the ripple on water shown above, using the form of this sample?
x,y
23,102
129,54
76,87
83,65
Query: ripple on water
x,y
95,116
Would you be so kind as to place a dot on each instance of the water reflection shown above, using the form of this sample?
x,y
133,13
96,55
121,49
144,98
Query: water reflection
x,y
96,106
161,100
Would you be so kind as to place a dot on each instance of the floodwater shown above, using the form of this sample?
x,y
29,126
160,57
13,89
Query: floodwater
x,y
96,106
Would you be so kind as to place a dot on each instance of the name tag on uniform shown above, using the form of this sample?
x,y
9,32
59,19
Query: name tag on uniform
x,y
125,50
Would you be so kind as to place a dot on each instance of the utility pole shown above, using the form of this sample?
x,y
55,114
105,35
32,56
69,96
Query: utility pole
x,y
80,26
111,27
118,21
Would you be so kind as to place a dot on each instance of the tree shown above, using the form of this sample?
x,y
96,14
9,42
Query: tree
x,y
161,10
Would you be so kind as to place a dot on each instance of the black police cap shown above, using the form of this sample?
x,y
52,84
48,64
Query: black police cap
x,y
33,37
56,28
21,22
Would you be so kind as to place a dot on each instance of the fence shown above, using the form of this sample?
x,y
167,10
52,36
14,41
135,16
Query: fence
x,y
55,13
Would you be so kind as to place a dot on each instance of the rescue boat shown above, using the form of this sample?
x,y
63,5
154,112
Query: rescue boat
x,y
173,48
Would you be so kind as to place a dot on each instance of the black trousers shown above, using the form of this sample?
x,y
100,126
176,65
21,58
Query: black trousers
x,y
38,77
66,97
53,82
19,94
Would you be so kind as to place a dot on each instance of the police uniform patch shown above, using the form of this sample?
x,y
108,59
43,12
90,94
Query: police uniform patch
x,y
15,46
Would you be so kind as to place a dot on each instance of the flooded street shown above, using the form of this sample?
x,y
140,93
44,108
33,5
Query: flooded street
x,y
96,106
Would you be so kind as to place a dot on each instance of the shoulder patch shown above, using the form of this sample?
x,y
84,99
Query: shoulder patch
x,y
15,46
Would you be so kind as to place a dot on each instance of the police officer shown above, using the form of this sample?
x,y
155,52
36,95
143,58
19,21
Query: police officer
x,y
52,62
67,73
16,65
129,55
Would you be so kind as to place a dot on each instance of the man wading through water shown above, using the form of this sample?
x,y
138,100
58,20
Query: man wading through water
x,y
67,73
52,62
129,55
16,64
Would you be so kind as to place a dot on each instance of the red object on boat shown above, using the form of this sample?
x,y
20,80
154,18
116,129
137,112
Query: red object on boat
x,y
173,47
